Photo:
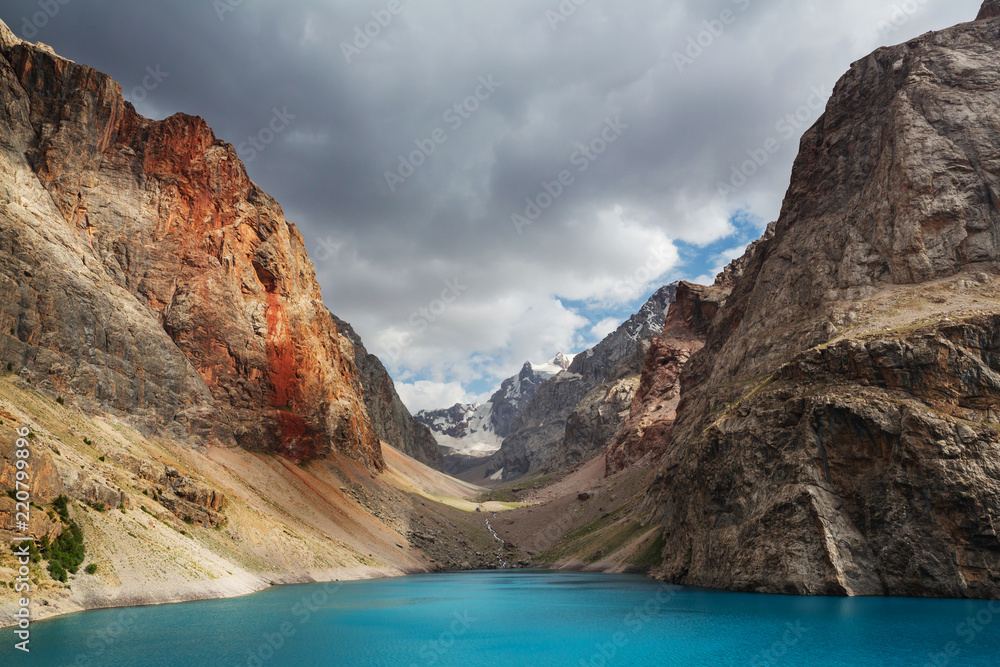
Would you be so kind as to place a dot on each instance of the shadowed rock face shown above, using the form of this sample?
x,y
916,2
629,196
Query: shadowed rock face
x,y
990,9
142,271
393,423
816,452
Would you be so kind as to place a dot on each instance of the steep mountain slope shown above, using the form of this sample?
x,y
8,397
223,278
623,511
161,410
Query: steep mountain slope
x,y
392,421
212,426
478,430
575,414
644,434
838,433
144,272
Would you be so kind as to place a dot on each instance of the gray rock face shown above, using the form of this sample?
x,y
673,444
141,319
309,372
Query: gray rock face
x,y
517,392
861,461
393,423
575,414
474,432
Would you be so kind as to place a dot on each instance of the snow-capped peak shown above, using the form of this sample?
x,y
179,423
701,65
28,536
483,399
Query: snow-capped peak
x,y
554,366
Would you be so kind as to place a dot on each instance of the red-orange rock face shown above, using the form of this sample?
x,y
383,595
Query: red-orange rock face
x,y
158,279
646,433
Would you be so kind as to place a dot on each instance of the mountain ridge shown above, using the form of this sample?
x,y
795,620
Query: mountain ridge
x,y
834,435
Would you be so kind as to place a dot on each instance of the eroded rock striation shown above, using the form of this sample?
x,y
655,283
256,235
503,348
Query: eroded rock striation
x,y
142,271
837,433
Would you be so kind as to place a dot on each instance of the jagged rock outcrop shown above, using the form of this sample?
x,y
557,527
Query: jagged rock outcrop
x,y
392,421
990,9
142,271
837,433
575,414
515,393
645,432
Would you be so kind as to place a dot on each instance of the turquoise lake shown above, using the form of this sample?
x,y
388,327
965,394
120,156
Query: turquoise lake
x,y
519,617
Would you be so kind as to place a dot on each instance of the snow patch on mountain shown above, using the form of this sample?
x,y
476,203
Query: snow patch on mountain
x,y
479,429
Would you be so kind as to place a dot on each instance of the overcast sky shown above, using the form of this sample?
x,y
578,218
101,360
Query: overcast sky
x,y
579,171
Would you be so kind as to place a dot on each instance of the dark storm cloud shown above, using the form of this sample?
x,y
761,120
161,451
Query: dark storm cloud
x,y
694,88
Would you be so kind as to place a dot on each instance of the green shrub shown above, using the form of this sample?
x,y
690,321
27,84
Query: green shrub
x,y
12,494
57,571
62,507
33,553
101,459
10,368
60,401
188,519
91,569
67,552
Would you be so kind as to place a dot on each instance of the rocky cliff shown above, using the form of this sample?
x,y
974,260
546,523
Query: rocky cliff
x,y
393,423
644,433
838,432
163,338
142,271
576,413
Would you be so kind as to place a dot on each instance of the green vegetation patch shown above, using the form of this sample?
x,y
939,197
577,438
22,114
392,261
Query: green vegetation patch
x,y
651,555
67,552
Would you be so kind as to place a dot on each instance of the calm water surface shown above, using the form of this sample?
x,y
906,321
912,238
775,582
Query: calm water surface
x,y
520,618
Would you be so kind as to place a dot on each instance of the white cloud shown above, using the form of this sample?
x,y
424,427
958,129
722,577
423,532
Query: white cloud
x,y
604,327
382,256
424,395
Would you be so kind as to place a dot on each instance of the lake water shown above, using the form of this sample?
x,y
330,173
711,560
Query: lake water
x,y
520,618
